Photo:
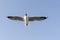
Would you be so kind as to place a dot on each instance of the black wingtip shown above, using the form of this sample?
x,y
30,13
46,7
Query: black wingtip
x,y
9,17
45,17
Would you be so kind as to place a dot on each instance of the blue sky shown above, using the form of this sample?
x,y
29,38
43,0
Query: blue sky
x,y
48,29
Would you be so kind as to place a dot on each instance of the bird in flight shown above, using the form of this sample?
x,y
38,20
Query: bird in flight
x,y
26,18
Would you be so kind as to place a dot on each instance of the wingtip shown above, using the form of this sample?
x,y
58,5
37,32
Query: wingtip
x,y
45,17
9,17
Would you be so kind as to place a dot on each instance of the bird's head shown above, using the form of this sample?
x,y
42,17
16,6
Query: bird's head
x,y
26,14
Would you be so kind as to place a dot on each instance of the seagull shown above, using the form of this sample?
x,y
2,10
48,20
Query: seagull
x,y
26,18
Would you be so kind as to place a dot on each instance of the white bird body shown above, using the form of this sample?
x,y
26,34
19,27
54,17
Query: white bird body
x,y
26,18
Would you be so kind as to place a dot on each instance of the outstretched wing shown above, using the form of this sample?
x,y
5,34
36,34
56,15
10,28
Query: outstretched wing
x,y
37,18
15,18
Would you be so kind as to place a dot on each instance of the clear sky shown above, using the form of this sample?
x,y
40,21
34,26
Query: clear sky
x,y
48,29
